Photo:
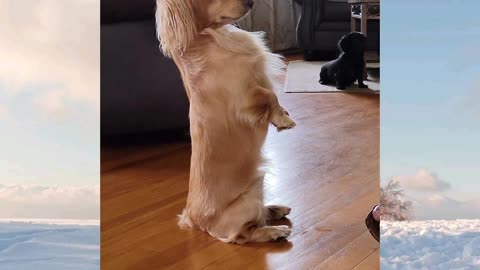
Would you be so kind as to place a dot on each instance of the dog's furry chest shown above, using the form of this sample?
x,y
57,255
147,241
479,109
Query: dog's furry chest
x,y
229,61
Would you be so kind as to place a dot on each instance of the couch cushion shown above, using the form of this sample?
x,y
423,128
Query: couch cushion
x,y
141,90
126,10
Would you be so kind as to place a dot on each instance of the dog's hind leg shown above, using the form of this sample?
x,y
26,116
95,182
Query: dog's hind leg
x,y
245,219
324,76
234,227
360,75
340,78
251,232
268,233
254,232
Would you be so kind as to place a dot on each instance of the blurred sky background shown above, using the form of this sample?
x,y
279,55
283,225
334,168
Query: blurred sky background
x,y
49,109
430,104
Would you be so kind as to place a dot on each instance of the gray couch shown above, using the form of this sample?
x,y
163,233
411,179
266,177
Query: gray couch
x,y
323,22
141,90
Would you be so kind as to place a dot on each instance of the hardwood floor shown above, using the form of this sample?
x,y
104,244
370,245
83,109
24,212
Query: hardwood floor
x,y
326,169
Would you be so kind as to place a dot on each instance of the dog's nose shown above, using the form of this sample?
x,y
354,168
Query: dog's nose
x,y
249,3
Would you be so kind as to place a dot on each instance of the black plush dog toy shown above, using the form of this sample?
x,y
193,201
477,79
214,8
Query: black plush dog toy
x,y
349,66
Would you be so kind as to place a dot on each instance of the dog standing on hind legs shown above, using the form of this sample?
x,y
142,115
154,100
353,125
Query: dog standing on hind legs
x,y
228,75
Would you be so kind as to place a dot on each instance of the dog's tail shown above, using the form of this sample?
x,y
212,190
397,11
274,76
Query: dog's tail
x,y
184,220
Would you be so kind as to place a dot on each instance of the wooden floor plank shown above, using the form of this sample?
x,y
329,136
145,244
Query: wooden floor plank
x,y
371,262
349,256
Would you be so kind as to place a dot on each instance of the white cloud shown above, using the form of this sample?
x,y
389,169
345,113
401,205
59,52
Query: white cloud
x,y
31,201
54,44
440,206
423,180
428,194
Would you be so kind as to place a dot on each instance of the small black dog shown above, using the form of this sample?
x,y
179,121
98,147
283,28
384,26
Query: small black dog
x,y
349,66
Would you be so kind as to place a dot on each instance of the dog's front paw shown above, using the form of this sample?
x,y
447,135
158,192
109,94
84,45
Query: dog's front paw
x,y
283,122
363,86
284,110
341,87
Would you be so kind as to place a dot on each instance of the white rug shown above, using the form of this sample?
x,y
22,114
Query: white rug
x,y
302,77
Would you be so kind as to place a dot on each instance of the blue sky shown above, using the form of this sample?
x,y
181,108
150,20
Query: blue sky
x,y
430,113
49,109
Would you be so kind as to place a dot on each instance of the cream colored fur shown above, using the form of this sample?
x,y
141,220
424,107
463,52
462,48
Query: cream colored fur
x,y
228,75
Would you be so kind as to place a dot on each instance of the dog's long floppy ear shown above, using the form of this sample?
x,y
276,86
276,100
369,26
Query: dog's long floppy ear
x,y
176,26
344,43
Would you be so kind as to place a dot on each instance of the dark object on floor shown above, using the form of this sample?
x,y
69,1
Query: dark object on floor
x,y
141,90
323,23
349,66
373,225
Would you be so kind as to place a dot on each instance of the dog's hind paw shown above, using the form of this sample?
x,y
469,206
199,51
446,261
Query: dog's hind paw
x,y
269,233
280,233
276,212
